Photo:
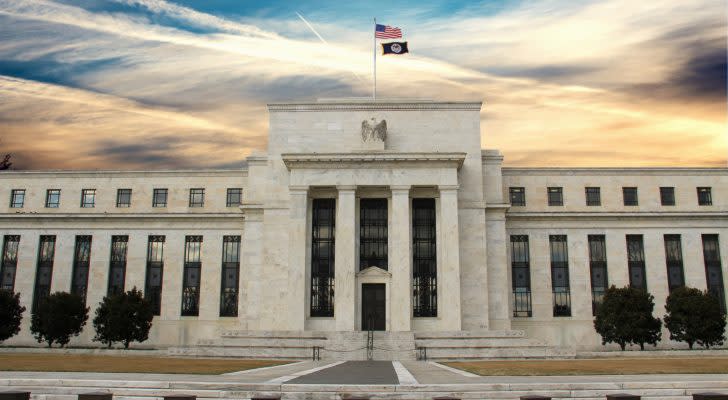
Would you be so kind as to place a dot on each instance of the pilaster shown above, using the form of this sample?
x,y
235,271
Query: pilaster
x,y
345,259
449,289
400,260
297,258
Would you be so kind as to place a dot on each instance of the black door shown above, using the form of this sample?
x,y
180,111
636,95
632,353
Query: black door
x,y
373,303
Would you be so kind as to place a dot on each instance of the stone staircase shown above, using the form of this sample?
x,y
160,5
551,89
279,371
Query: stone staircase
x,y
438,346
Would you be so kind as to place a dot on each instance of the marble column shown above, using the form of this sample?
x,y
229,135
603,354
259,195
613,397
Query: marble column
x,y
345,260
297,258
448,273
400,260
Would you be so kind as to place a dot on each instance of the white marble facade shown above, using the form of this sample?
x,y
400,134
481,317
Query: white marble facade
x,y
317,150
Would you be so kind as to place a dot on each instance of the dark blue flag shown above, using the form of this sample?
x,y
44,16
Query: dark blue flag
x,y
395,48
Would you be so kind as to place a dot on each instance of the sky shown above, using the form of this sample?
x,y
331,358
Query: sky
x,y
153,84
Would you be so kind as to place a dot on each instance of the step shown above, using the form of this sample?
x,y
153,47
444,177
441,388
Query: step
x,y
478,342
476,353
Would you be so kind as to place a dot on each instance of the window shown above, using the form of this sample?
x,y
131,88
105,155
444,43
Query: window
x,y
704,196
117,264
234,197
53,198
598,269
88,198
9,262
155,270
518,196
373,233
44,269
556,196
197,197
322,257
123,198
230,276
191,277
593,196
667,196
713,270
159,198
81,261
424,258
673,257
636,262
630,196
17,198
520,269
560,275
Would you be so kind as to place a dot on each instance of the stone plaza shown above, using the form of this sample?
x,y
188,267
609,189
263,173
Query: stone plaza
x,y
384,216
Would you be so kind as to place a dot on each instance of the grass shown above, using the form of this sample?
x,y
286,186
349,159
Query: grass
x,y
138,364
610,366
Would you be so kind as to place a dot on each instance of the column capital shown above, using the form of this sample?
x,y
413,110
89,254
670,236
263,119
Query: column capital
x,y
443,188
400,188
347,188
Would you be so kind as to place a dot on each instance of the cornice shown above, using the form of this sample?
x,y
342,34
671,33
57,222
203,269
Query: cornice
x,y
243,172
666,171
375,106
711,215
336,160
115,216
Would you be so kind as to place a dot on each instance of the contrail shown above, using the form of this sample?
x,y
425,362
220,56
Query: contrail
x,y
320,37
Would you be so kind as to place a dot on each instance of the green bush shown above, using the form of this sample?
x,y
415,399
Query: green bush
x,y
123,317
694,316
625,317
11,313
58,317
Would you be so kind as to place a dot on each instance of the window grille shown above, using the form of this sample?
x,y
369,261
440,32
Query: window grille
x,y
81,261
517,196
520,268
9,265
593,196
17,198
674,260
44,269
53,198
159,198
560,275
373,233
323,231
556,196
197,197
88,198
117,264
234,197
636,262
230,276
705,197
155,270
424,255
123,198
598,269
191,278
713,269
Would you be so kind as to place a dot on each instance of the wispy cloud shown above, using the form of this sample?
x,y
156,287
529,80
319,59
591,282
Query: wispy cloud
x,y
609,82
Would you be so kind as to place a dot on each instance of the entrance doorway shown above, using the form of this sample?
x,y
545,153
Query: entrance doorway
x,y
373,307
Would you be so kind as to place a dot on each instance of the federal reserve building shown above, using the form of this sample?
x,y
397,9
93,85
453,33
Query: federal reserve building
x,y
386,216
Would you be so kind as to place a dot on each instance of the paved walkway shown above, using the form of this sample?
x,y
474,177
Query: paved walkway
x,y
352,373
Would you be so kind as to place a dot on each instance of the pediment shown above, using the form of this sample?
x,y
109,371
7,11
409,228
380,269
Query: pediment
x,y
374,272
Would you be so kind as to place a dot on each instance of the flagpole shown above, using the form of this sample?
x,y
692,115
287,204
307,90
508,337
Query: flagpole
x,y
374,48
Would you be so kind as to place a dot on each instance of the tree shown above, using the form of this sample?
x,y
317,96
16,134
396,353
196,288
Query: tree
x,y
5,163
58,317
694,316
123,317
625,317
11,313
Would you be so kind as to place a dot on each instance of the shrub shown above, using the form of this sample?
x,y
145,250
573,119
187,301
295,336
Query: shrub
x,y
694,316
123,317
625,317
58,317
11,313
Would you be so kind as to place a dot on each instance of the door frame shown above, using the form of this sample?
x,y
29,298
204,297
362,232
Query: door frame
x,y
374,287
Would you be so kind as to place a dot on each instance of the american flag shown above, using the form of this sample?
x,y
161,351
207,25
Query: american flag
x,y
387,32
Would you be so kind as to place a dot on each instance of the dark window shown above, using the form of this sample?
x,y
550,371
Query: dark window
x,y
630,196
673,257
424,258
704,196
44,269
159,198
197,197
53,198
17,198
9,262
155,270
667,196
713,269
560,275
593,196
230,276
520,269
373,233
636,262
81,262
556,196
322,257
518,196
191,279
234,197
88,198
117,264
598,269
123,198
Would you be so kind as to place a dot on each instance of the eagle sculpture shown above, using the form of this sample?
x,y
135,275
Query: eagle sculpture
x,y
374,131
